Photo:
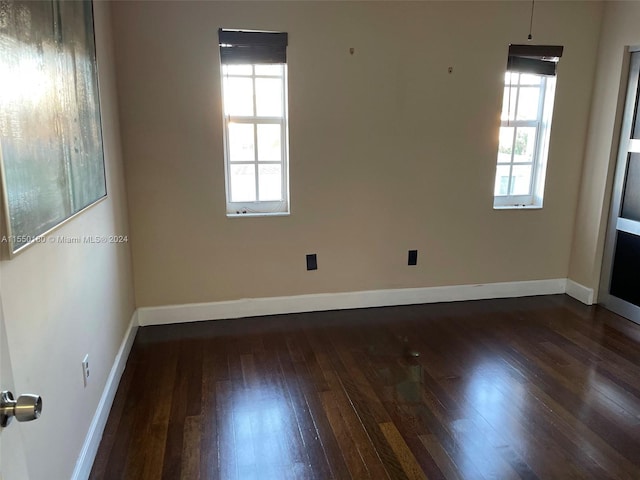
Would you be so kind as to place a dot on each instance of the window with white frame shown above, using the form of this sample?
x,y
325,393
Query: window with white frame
x,y
525,125
254,85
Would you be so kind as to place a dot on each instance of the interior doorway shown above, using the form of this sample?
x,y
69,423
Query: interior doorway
x,y
620,280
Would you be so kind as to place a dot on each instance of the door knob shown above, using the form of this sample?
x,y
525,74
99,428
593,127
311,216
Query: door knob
x,y
28,407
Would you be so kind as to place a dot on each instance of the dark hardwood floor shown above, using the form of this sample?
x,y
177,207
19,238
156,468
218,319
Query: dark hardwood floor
x,y
539,387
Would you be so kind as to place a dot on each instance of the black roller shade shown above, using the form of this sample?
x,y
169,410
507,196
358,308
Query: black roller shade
x,y
238,47
535,59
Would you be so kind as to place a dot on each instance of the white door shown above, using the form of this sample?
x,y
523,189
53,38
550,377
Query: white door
x,y
13,464
620,282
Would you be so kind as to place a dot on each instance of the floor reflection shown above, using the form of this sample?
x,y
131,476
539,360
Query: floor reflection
x,y
488,429
259,422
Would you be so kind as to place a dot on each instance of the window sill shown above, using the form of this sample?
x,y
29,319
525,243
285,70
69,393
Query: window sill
x,y
265,214
517,207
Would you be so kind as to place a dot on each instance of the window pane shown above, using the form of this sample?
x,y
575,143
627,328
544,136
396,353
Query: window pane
x,y
510,78
505,144
502,180
269,70
269,97
243,183
241,142
528,103
521,180
509,103
269,148
528,79
238,96
525,144
270,180
236,69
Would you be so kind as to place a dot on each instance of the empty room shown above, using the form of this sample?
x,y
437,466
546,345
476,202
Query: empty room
x,y
319,240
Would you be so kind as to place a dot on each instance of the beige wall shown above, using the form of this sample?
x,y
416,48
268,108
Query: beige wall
x,y
619,30
63,301
388,151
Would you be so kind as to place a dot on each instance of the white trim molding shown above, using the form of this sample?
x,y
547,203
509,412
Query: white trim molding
x,y
96,429
252,307
580,292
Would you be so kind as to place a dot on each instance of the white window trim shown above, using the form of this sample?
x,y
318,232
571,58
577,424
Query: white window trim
x,y
258,208
539,163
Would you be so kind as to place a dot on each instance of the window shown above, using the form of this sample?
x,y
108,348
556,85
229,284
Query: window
x,y
525,125
254,86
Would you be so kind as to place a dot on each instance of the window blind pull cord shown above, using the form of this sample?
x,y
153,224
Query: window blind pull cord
x,y
533,4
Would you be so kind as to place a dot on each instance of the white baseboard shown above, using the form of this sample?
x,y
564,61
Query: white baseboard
x,y
251,307
580,292
94,435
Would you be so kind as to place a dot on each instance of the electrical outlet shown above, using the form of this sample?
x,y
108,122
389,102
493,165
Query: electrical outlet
x,y
312,262
85,369
413,257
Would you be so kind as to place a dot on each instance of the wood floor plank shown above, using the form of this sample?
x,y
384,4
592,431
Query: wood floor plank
x,y
150,428
315,458
174,414
399,446
357,430
330,444
190,468
348,447
445,463
228,464
132,419
214,368
158,429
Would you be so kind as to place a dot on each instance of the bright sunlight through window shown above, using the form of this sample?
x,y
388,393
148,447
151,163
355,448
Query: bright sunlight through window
x,y
255,123
525,124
